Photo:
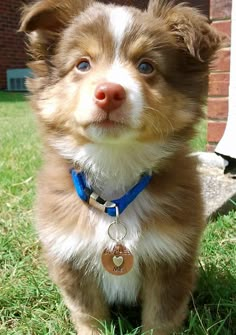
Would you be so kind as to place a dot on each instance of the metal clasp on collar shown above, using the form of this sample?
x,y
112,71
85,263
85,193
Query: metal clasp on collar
x,y
99,203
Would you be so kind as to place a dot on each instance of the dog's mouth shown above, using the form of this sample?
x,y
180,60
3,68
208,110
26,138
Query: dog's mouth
x,y
107,129
108,124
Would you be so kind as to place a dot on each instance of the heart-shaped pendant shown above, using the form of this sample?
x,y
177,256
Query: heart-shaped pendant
x,y
117,261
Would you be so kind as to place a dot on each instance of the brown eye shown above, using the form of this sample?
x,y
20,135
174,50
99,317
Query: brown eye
x,y
84,66
145,68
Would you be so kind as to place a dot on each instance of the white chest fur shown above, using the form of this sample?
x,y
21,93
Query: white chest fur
x,y
87,251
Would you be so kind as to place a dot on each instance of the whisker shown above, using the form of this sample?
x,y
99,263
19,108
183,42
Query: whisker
x,y
161,115
156,127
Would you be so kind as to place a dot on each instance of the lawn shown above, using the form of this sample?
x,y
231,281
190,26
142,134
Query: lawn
x,y
29,303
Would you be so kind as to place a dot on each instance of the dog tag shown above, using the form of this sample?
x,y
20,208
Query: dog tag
x,y
118,261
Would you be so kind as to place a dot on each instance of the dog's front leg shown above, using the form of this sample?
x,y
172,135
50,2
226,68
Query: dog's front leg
x,y
165,293
82,296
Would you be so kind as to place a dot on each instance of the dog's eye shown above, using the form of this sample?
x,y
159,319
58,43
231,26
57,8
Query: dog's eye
x,y
84,66
145,68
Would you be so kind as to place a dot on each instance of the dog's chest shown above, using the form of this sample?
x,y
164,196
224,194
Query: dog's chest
x,y
117,288
86,249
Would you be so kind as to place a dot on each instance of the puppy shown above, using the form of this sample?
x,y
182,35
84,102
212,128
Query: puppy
x,y
117,92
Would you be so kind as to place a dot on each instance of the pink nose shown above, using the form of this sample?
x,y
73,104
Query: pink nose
x,y
109,96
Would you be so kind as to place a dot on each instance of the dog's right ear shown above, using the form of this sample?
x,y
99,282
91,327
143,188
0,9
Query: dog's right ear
x,y
50,15
44,20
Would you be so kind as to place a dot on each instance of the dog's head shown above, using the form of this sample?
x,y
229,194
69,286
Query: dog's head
x,y
104,73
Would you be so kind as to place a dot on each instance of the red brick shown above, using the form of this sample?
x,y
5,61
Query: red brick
x,y
222,62
220,9
218,84
217,108
215,131
223,27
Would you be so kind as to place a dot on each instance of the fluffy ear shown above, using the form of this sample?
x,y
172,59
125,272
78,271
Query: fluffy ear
x,y
50,15
43,21
191,29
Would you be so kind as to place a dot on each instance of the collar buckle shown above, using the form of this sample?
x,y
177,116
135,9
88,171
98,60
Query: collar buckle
x,y
99,203
88,195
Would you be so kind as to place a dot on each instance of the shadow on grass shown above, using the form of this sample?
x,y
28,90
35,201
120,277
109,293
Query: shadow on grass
x,y
212,310
12,96
215,299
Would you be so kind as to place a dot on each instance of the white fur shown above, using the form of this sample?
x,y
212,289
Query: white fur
x,y
117,166
120,74
120,21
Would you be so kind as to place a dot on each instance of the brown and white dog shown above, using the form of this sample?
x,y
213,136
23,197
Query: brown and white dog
x,y
117,92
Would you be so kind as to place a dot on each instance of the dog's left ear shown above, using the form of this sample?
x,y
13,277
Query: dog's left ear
x,y
191,29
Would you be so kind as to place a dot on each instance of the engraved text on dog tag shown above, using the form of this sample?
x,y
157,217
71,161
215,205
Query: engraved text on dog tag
x,y
117,261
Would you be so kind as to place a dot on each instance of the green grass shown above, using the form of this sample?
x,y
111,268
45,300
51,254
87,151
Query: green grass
x,y
29,303
199,143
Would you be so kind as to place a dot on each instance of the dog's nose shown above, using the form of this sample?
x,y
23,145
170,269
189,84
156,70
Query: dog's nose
x,y
109,96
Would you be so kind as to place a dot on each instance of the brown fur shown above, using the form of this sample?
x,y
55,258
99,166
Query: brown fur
x,y
181,45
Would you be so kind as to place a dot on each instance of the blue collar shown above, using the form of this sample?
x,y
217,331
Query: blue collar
x,y
110,207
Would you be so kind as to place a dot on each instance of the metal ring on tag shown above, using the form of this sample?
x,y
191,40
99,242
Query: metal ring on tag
x,y
115,229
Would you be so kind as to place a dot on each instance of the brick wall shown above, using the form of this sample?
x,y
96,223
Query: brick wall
x,y
220,14
12,54
203,5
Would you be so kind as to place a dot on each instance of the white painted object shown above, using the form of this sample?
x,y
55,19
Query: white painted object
x,y
227,145
210,159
